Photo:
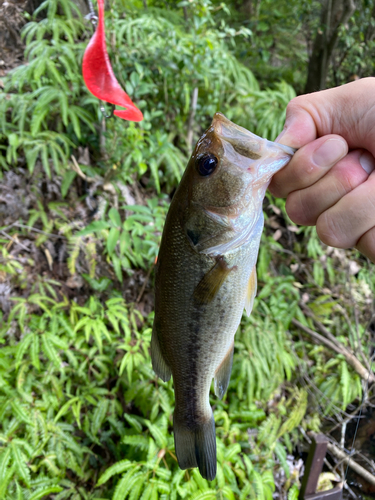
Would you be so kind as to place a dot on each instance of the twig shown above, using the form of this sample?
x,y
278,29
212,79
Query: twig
x,y
351,416
78,170
17,224
343,433
347,459
329,335
319,325
14,241
336,346
144,285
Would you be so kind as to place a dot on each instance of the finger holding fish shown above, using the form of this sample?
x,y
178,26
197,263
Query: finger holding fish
x,y
304,206
308,165
339,201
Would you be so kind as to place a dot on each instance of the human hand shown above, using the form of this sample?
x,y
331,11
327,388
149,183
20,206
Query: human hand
x,y
325,185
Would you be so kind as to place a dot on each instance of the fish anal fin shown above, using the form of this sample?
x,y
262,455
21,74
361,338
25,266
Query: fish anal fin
x,y
159,365
251,291
212,281
222,374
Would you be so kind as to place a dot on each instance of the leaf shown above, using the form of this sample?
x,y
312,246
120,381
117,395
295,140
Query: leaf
x,y
4,459
99,416
112,239
45,492
50,352
67,180
136,442
117,468
293,493
133,422
5,480
19,411
281,455
63,410
114,216
34,351
117,267
206,495
157,434
345,384
22,348
228,493
21,468
95,226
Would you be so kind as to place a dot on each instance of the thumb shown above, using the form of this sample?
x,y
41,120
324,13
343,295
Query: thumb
x,y
299,128
348,111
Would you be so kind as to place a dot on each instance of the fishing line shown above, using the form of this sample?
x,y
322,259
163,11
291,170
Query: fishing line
x,y
359,415
91,16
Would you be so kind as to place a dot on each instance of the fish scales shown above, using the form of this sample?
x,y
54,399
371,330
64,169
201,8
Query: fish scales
x,y
206,276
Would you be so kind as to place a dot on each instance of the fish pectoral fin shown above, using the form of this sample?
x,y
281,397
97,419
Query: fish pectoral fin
x,y
222,374
159,365
251,291
212,281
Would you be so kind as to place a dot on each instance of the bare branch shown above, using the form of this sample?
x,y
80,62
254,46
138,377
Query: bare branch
x,y
348,460
336,346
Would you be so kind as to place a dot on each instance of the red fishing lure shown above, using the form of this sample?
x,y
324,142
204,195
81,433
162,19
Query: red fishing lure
x,y
99,76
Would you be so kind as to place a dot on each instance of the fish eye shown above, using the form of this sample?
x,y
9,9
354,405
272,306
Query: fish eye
x,y
206,164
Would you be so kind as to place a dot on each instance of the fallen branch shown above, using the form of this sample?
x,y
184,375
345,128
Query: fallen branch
x,y
320,325
78,170
348,460
336,346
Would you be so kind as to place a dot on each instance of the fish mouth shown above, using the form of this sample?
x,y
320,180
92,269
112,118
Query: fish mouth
x,y
245,142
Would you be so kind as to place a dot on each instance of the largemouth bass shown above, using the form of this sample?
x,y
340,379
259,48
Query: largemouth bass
x,y
206,276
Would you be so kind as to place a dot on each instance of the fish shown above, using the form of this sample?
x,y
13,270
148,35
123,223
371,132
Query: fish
x,y
206,276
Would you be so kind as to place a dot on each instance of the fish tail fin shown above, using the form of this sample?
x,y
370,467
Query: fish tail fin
x,y
196,448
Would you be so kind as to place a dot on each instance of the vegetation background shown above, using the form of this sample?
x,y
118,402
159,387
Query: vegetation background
x,y
82,205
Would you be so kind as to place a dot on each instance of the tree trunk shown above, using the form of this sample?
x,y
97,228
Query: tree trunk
x,y
334,13
247,8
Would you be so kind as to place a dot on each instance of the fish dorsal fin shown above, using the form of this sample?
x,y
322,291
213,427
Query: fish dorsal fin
x,y
212,281
222,374
159,365
251,291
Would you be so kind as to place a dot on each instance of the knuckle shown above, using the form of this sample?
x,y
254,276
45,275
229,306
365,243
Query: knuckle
x,y
366,244
347,179
331,231
296,103
276,188
299,208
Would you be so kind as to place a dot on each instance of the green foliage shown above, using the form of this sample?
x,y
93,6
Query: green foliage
x,y
82,415
135,242
48,86
59,412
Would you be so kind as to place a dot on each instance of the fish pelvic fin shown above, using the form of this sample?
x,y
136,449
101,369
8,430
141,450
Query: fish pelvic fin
x,y
222,374
251,291
210,284
159,364
196,448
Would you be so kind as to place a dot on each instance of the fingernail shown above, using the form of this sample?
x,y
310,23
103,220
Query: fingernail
x,y
280,136
330,152
367,162
284,135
